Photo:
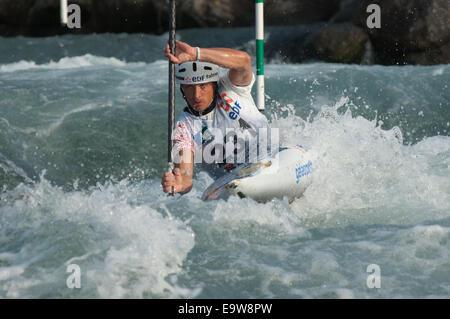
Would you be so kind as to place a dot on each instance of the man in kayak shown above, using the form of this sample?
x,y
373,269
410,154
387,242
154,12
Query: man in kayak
x,y
216,105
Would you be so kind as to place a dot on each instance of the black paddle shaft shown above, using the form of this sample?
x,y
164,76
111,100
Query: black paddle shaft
x,y
172,29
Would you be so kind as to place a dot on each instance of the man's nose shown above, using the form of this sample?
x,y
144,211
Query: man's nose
x,y
197,91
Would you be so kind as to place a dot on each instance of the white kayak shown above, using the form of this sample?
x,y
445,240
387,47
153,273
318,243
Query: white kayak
x,y
285,174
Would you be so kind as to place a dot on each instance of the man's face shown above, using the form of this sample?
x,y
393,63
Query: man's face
x,y
199,96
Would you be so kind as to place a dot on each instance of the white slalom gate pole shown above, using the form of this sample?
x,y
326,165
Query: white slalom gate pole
x,y
64,12
259,10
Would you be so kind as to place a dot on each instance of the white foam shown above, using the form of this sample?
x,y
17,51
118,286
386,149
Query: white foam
x,y
130,251
276,215
438,72
361,170
11,272
83,61
345,293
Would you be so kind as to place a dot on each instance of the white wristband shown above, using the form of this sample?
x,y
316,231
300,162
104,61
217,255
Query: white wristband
x,y
198,54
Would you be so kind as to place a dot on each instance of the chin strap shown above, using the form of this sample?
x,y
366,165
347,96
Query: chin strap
x,y
210,108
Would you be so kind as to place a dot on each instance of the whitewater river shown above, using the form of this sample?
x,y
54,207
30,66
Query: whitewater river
x,y
83,142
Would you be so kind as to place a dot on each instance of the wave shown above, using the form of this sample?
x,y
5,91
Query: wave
x,y
124,247
364,172
87,60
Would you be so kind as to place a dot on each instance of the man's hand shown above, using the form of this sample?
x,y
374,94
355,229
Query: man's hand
x,y
181,177
174,180
183,53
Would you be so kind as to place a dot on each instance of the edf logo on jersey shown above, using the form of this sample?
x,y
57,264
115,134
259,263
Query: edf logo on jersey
x,y
229,104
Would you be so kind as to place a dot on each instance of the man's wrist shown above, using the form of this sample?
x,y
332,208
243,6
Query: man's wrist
x,y
198,54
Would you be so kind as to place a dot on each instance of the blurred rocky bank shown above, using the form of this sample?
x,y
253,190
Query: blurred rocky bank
x,y
410,31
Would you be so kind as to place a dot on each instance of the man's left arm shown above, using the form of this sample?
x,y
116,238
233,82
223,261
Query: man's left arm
x,y
238,62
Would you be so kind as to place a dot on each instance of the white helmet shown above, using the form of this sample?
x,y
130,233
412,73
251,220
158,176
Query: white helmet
x,y
195,72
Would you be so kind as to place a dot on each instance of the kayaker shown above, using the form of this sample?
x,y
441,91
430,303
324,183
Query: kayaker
x,y
216,105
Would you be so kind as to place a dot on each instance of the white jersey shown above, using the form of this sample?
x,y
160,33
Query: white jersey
x,y
235,113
